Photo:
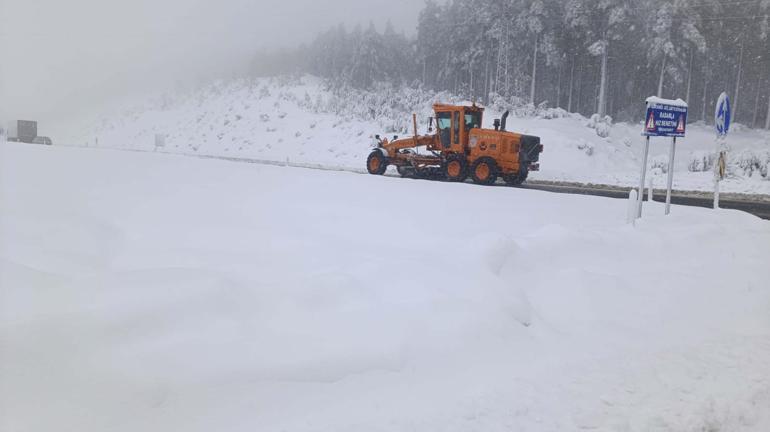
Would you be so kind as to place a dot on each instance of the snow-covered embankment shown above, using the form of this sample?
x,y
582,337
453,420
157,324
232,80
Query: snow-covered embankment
x,y
154,292
301,121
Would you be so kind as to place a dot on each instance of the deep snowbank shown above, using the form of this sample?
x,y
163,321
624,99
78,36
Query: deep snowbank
x,y
154,292
299,120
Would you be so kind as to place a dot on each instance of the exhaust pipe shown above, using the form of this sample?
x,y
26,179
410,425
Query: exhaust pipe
x,y
503,121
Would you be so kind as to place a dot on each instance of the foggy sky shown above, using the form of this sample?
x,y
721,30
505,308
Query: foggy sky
x,y
63,60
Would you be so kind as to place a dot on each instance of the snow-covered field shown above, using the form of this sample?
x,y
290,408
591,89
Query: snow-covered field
x,y
299,120
147,292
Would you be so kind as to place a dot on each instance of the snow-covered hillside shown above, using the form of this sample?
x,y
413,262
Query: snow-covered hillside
x,y
299,120
147,292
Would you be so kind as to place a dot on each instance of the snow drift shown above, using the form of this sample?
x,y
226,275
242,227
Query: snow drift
x,y
155,292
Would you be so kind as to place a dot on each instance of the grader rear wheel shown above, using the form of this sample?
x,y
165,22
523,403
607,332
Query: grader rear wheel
x,y
377,163
517,179
484,171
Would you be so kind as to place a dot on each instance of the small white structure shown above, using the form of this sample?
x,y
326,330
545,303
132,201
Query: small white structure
x,y
632,203
160,141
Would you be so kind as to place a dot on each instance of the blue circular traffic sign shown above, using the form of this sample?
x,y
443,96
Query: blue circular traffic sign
x,y
722,115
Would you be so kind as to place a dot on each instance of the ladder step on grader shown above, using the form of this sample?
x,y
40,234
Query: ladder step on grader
x,y
459,149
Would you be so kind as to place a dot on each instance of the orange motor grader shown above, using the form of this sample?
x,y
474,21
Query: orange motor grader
x,y
459,149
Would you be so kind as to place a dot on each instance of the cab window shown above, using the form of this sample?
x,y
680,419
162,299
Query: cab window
x,y
444,120
472,121
444,125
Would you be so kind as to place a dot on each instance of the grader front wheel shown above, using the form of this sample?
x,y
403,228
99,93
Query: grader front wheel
x,y
377,163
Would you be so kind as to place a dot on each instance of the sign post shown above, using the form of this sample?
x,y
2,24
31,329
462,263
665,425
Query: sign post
x,y
722,118
665,118
671,155
640,196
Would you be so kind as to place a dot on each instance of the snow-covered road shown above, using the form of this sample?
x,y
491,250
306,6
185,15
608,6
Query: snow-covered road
x,y
156,292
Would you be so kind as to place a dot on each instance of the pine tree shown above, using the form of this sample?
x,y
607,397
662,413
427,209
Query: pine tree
x,y
603,21
593,56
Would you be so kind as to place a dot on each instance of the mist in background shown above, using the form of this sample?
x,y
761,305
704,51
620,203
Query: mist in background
x,y
64,62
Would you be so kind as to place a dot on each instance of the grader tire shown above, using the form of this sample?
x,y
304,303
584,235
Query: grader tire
x,y
517,179
523,174
455,169
484,171
376,163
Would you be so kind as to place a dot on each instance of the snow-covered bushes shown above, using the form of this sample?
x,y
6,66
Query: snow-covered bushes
x,y
586,147
750,163
387,105
701,161
659,163
390,106
554,113
517,106
602,125
746,163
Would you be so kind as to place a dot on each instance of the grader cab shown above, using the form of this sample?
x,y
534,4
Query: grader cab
x,y
459,149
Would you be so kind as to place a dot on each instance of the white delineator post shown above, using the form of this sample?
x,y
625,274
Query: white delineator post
x,y
650,191
640,199
670,183
632,202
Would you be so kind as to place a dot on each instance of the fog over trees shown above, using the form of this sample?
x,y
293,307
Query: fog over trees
x,y
586,56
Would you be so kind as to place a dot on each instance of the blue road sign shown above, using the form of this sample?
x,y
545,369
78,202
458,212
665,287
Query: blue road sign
x,y
665,118
723,115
